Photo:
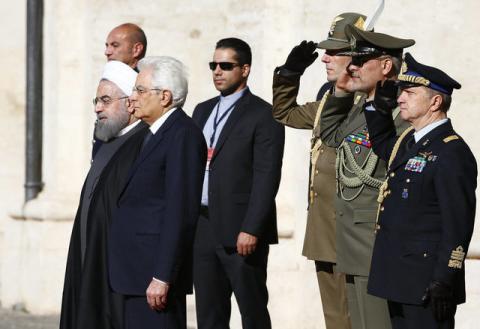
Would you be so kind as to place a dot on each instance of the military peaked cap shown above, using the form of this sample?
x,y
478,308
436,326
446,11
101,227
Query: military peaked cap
x,y
372,43
415,74
336,38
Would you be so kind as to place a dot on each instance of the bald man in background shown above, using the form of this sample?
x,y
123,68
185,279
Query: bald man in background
x,y
126,43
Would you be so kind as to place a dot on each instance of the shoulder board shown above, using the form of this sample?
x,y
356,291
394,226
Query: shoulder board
x,y
357,99
450,138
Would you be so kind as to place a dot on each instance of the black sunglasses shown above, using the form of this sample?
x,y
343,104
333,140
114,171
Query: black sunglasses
x,y
362,59
224,66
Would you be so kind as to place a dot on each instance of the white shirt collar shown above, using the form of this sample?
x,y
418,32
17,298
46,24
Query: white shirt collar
x,y
128,128
425,130
160,121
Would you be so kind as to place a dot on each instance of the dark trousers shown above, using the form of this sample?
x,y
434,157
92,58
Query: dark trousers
x,y
405,316
138,313
218,272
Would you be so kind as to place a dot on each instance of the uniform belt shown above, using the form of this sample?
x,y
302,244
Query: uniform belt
x,y
204,211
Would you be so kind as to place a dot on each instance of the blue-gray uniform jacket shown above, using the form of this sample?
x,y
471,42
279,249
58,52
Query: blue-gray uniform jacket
x,y
426,218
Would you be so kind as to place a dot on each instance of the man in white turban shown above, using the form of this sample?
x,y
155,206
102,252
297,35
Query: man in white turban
x,y
88,301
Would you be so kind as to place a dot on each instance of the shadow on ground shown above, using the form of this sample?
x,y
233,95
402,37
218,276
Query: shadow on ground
x,y
22,320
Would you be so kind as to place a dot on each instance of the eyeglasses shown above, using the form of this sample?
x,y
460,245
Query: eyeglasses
x,y
224,66
106,100
361,60
142,90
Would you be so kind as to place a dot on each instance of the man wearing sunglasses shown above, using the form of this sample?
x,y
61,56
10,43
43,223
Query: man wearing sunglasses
x,y
319,243
360,173
238,214
87,299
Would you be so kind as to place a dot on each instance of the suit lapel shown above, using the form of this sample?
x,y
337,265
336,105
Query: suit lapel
x,y
420,145
231,121
155,139
206,111
356,119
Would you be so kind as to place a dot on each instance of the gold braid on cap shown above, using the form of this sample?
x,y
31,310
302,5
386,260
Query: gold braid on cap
x,y
414,79
411,78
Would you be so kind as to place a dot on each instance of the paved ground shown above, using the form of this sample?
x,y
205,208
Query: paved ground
x,y
21,320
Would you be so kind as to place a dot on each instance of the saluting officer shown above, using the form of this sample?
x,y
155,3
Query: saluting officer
x,y
360,173
319,244
427,209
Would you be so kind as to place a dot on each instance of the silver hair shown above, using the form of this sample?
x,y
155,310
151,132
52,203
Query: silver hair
x,y
168,74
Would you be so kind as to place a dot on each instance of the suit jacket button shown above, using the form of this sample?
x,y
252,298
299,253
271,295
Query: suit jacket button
x,y
392,174
408,180
425,255
377,227
382,208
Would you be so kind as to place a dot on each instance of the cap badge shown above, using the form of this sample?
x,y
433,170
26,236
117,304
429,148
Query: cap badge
x,y
353,42
334,24
360,23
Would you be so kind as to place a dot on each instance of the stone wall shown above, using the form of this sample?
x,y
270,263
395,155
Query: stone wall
x,y
33,251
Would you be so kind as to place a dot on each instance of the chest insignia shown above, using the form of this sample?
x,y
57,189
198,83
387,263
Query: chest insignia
x,y
416,164
360,138
428,156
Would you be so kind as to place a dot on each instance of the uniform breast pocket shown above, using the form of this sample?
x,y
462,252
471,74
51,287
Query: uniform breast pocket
x,y
367,215
420,251
411,188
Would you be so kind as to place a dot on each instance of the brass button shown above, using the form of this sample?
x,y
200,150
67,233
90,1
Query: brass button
x,y
392,174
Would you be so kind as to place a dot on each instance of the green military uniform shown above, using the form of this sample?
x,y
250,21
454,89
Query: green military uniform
x,y
319,243
320,237
360,174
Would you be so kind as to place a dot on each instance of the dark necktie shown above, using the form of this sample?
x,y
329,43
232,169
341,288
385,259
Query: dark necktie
x,y
410,142
146,139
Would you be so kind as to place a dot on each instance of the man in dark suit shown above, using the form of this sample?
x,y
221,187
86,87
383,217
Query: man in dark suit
x,y
238,215
152,231
427,205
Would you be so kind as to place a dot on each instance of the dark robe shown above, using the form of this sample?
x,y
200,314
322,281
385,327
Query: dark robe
x,y
88,301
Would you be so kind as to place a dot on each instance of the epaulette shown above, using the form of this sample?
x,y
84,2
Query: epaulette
x,y
357,99
450,138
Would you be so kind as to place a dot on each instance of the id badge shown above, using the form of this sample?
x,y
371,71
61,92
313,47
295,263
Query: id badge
x,y
209,157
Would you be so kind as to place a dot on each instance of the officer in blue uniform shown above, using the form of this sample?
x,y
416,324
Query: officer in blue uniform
x,y
427,204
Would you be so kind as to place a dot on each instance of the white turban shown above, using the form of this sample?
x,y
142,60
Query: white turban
x,y
120,74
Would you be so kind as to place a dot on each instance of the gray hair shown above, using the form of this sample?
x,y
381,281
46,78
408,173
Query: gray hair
x,y
446,99
168,73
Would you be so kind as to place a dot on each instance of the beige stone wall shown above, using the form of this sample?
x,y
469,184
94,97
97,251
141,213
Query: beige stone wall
x,y
32,252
